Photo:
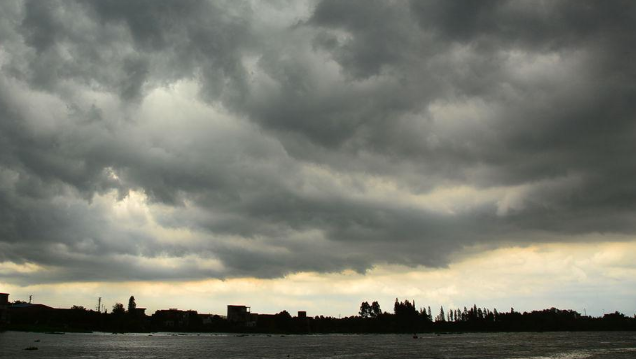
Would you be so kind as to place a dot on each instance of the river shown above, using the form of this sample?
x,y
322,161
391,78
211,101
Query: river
x,y
562,345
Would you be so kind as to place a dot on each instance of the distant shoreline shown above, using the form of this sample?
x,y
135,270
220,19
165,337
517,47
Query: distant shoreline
x,y
405,319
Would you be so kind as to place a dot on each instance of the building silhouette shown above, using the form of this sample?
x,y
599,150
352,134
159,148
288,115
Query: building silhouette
x,y
174,318
241,315
4,309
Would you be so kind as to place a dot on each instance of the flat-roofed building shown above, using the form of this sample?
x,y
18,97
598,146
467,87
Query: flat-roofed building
x,y
174,318
241,314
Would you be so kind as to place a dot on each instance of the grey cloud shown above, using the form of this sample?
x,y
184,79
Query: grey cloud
x,y
540,26
126,47
314,117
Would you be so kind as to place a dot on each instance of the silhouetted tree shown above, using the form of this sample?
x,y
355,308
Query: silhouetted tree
x,y
404,309
365,310
441,317
118,309
132,305
375,309
283,321
285,315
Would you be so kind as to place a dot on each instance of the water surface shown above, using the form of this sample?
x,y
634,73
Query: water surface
x,y
580,345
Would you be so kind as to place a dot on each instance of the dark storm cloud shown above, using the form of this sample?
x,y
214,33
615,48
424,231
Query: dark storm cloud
x,y
354,134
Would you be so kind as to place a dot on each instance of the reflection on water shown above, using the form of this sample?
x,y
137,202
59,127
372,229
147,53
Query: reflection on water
x,y
474,345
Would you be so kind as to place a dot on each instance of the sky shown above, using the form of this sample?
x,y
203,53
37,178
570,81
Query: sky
x,y
311,155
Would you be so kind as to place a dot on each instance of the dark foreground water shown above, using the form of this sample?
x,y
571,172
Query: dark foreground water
x,y
163,345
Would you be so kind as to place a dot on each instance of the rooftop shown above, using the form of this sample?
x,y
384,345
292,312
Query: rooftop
x,y
29,305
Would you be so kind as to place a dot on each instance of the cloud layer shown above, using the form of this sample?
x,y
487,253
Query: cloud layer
x,y
217,139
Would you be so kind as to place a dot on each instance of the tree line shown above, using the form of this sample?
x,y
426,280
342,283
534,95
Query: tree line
x,y
405,317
